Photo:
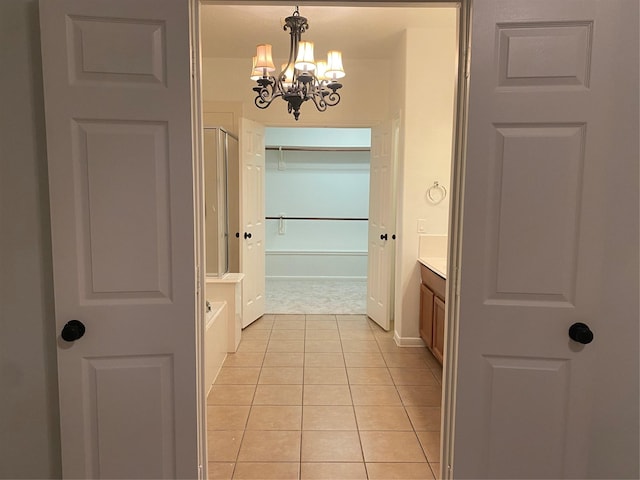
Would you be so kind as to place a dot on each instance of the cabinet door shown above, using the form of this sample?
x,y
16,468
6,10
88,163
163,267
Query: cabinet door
x,y
438,328
426,315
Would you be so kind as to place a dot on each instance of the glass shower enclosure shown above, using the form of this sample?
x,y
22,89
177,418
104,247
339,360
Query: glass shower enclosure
x,y
220,150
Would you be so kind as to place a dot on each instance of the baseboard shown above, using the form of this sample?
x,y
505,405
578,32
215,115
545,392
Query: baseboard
x,y
314,277
333,253
408,341
316,264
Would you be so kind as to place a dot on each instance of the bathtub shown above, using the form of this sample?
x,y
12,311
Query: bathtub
x,y
215,341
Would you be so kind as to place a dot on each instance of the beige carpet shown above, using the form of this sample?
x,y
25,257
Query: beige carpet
x,y
317,295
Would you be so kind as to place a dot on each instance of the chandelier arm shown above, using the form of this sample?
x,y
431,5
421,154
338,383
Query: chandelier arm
x,y
316,95
332,99
266,91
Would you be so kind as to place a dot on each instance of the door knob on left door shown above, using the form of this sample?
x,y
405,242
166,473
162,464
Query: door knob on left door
x,y
72,330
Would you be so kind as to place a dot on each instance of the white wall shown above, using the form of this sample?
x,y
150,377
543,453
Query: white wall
x,y
227,79
29,421
427,132
317,184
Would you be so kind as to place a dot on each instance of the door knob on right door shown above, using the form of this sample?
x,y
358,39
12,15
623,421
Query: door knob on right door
x,y
581,333
72,330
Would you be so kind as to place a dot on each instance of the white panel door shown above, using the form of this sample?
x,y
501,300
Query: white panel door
x,y
252,235
119,147
549,239
381,235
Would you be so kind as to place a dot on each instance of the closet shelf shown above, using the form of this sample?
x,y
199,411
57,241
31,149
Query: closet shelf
x,y
318,149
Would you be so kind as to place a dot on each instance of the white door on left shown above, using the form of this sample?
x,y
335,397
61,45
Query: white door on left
x,y
252,236
117,90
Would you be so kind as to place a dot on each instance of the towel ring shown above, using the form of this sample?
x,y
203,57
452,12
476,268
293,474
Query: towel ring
x,y
436,193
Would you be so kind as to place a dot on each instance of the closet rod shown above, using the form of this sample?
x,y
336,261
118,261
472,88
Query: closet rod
x,y
319,149
314,218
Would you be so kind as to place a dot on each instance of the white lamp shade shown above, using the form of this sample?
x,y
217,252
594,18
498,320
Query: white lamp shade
x,y
304,61
321,70
288,75
334,65
255,73
264,60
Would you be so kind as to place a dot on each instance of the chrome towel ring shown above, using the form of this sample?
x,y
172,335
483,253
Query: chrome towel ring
x,y
436,193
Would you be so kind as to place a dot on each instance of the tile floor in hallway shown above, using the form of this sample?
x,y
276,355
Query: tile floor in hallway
x,y
324,397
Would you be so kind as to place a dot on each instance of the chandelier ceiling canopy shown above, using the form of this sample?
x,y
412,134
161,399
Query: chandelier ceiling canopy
x,y
301,78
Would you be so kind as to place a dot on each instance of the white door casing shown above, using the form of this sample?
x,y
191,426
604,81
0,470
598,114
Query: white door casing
x,y
549,232
381,250
118,117
252,235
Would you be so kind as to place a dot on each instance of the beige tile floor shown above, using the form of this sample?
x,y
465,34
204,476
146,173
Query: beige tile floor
x,y
324,397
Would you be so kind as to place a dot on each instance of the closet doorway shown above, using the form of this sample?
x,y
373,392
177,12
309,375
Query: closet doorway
x,y
317,188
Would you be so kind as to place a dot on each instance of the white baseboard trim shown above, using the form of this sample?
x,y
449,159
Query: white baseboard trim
x,y
314,277
408,341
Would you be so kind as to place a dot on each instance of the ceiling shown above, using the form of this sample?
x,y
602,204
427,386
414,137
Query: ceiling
x,y
233,31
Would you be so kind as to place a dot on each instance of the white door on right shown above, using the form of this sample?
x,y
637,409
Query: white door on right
x,y
550,239
381,232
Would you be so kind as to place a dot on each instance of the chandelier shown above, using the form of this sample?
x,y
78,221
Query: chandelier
x,y
301,78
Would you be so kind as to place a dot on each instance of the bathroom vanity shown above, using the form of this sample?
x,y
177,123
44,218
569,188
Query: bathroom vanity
x,y
432,300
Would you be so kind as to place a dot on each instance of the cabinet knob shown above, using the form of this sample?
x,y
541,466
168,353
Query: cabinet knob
x,y
247,235
383,237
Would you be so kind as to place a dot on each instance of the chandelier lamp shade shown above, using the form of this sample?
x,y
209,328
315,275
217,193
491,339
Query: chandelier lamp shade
x,y
301,78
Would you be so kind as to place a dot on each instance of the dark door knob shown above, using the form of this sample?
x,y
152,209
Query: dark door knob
x,y
393,237
237,234
383,237
247,235
581,333
73,330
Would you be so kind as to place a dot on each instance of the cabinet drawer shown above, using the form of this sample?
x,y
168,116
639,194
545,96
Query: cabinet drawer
x,y
434,281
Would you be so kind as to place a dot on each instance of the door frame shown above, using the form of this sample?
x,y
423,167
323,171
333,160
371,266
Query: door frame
x,y
452,305
197,135
455,211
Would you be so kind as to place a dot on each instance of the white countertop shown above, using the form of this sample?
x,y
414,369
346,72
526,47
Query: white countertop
x,y
437,264
226,278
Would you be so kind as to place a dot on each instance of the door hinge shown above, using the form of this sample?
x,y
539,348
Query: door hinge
x,y
198,281
467,62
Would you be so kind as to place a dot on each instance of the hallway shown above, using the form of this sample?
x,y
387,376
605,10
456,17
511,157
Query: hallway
x,y
324,397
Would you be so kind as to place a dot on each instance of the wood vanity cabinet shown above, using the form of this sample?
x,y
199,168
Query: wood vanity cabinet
x,y
432,294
